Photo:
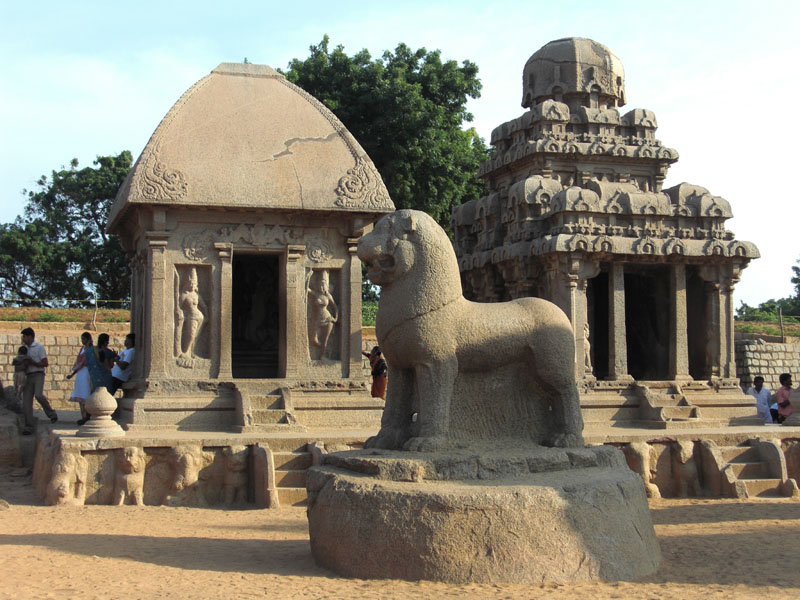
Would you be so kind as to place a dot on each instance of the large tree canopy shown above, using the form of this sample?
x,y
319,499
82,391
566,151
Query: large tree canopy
x,y
59,248
406,109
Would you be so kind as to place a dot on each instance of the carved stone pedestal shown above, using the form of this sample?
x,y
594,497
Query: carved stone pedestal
x,y
487,516
100,405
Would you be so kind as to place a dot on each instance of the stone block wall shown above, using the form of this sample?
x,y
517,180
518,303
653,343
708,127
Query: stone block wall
x,y
767,359
62,343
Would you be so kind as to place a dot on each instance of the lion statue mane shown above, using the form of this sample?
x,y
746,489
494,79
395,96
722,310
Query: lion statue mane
x,y
463,372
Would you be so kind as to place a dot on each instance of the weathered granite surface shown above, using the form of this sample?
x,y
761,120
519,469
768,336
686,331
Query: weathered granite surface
x,y
483,515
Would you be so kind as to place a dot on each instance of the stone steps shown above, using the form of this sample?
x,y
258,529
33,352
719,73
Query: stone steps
x,y
750,470
763,487
290,476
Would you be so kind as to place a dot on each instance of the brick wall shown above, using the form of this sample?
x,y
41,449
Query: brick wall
x,y
768,360
62,343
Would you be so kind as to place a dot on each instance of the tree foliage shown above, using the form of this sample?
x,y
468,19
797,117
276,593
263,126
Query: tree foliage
x,y
406,109
769,310
58,249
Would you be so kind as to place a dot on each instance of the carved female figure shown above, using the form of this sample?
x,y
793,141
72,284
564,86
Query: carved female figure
x,y
323,313
189,316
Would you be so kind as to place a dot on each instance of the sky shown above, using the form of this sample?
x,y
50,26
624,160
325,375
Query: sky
x,y
94,78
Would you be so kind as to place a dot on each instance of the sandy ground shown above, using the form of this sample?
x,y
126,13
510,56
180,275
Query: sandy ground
x,y
711,549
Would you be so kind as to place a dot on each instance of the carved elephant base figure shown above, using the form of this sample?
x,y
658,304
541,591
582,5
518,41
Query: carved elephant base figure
x,y
545,514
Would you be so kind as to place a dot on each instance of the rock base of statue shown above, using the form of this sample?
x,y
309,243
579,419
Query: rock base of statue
x,y
481,515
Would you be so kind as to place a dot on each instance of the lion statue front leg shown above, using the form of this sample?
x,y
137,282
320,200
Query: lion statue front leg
x,y
396,419
434,387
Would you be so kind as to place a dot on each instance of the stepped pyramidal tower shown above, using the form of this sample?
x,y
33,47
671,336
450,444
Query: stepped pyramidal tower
x,y
576,213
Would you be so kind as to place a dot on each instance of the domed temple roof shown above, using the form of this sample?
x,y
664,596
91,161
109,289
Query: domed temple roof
x,y
572,66
244,137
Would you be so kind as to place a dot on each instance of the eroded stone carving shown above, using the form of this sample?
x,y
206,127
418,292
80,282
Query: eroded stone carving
x,y
190,311
67,483
684,469
323,313
433,338
129,477
187,462
642,459
235,478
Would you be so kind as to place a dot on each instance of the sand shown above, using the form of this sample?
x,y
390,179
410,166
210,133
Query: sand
x,y
711,549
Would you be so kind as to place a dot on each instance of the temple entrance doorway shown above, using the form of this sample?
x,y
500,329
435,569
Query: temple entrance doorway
x,y
647,321
255,335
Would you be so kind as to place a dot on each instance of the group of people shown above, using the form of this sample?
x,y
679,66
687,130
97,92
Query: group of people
x,y
95,366
98,366
779,410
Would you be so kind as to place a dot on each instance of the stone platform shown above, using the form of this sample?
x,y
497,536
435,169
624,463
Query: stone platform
x,y
518,515
180,468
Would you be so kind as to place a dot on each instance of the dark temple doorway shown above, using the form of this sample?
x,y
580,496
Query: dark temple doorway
x,y
647,321
255,320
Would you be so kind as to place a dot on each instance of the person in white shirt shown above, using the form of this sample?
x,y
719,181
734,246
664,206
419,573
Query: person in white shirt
x,y
123,365
36,361
762,396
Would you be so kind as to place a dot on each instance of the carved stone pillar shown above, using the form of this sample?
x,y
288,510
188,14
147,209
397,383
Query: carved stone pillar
x,y
727,354
296,328
565,282
221,331
715,344
617,333
159,320
351,329
678,337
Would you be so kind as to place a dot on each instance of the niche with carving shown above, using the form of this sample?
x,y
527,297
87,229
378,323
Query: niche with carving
x,y
322,302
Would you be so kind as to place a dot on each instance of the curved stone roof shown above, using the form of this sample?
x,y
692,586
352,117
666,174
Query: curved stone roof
x,y
244,137
575,65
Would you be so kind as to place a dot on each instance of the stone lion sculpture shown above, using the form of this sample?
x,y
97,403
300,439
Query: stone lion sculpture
x,y
461,371
129,477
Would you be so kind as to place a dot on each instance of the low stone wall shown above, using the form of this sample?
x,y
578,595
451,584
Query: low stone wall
x,y
62,343
756,357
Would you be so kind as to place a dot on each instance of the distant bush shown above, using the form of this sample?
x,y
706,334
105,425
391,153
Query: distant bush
x,y
368,311
51,317
12,317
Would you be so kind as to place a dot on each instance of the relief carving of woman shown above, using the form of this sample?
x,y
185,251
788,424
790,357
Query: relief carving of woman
x,y
190,312
323,314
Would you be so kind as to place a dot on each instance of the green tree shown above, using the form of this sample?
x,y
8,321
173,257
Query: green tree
x,y
406,109
59,248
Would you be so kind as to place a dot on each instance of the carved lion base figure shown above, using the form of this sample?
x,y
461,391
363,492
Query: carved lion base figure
x,y
129,478
509,366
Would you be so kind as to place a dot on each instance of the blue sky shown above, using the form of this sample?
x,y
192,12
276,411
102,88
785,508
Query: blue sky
x,y
94,78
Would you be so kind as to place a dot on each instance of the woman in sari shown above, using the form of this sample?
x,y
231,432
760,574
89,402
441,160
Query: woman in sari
x,y
99,362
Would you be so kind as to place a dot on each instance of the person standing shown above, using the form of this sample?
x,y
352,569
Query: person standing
x,y
20,366
83,383
36,361
785,408
762,396
379,372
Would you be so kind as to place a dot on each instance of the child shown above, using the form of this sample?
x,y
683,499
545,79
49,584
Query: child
x,y
20,365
